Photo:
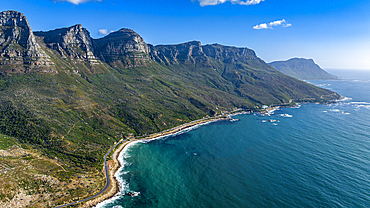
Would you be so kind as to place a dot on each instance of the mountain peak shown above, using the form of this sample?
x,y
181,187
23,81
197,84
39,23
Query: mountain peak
x,y
74,42
126,30
19,50
13,19
194,42
123,34
123,48
78,26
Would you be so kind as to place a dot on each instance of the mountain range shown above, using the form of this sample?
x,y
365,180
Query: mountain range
x,y
303,69
64,76
71,97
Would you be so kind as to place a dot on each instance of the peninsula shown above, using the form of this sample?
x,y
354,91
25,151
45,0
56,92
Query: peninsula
x,y
303,69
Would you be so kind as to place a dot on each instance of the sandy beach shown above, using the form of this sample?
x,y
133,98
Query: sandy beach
x,y
115,164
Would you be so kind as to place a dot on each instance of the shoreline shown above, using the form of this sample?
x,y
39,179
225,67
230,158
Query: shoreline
x,y
114,189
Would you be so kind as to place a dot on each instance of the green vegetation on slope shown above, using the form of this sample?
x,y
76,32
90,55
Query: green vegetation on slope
x,y
71,115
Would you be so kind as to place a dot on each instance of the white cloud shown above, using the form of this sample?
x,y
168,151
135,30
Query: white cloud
x,y
261,26
272,24
216,2
277,23
103,31
77,2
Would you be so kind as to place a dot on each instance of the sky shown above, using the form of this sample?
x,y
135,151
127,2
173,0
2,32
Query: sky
x,y
336,34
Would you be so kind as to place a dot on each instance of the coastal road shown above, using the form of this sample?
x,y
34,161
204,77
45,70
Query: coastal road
x,y
106,168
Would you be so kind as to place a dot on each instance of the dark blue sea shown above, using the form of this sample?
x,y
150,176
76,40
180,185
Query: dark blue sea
x,y
312,156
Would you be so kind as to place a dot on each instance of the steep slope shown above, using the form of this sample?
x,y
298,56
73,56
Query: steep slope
x,y
304,69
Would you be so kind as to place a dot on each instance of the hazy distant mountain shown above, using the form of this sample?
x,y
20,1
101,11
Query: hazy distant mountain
x,y
304,69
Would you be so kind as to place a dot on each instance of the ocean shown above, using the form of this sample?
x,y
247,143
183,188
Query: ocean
x,y
310,156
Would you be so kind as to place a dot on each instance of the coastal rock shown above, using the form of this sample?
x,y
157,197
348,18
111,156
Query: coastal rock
x,y
123,48
74,42
19,50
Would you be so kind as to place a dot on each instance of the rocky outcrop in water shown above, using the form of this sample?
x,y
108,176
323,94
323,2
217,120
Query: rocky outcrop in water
x,y
19,50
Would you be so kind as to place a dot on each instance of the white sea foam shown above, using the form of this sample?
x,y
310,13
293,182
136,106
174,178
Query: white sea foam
x,y
103,203
273,110
362,106
356,104
344,99
360,103
322,85
286,115
297,106
124,185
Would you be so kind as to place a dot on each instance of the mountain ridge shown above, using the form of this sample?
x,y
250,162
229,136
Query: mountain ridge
x,y
124,44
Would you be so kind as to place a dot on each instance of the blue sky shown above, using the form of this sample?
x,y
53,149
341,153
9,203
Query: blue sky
x,y
336,34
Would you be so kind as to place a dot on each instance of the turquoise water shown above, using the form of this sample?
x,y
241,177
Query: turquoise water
x,y
312,156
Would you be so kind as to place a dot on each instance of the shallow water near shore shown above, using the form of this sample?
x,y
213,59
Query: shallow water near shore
x,y
318,156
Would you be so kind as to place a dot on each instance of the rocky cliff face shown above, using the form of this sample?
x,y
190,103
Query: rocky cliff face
x,y
190,52
19,50
229,53
193,52
122,48
74,42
